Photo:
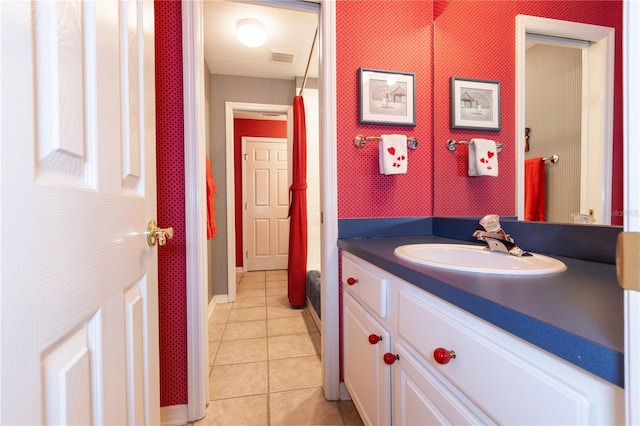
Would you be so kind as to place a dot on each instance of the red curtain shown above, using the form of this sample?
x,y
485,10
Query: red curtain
x,y
297,262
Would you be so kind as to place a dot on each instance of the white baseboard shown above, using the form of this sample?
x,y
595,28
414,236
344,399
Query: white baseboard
x,y
174,415
212,306
220,298
314,315
344,393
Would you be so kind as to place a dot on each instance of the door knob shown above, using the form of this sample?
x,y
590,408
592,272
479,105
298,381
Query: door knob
x,y
161,235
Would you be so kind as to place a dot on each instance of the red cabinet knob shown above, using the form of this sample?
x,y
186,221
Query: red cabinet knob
x,y
443,356
351,281
374,338
390,358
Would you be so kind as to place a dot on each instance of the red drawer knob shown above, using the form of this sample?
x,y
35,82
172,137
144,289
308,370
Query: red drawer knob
x,y
374,338
390,358
443,356
351,281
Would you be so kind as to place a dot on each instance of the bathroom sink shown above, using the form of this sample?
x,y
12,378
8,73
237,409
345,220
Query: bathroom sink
x,y
474,258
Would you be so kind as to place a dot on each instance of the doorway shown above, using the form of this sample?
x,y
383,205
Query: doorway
x,y
195,150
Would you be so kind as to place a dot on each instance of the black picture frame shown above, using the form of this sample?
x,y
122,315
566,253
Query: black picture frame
x,y
475,104
387,97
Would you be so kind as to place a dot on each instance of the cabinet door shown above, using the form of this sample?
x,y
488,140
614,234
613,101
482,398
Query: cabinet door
x,y
366,376
419,398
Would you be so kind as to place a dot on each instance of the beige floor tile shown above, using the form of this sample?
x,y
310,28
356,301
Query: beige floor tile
x,y
253,276
244,330
250,284
277,291
349,413
289,325
213,349
283,312
249,302
303,407
281,301
219,315
228,381
239,351
291,346
280,274
248,314
244,293
216,330
277,284
295,373
243,411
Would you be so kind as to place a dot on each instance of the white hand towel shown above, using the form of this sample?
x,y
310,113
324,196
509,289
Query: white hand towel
x,y
393,154
483,158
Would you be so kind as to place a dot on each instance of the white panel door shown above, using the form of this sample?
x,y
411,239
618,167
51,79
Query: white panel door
x,y
266,230
79,318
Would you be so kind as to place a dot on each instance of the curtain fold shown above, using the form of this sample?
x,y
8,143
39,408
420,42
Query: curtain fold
x,y
297,262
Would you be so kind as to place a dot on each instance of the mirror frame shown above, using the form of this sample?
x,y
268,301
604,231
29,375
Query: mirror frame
x,y
597,123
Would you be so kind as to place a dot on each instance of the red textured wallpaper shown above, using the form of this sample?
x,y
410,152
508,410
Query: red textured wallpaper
x,y
481,51
172,277
246,127
395,36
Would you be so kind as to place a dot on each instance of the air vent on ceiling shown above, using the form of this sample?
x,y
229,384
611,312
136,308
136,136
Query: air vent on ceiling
x,y
282,57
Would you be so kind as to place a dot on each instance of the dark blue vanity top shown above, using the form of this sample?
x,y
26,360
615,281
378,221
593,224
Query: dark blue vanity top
x,y
576,314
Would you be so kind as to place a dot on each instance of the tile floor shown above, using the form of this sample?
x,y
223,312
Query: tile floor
x,y
264,361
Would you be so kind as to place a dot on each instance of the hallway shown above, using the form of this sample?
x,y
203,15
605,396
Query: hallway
x,y
264,361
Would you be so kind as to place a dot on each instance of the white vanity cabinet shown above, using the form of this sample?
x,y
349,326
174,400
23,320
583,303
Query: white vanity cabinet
x,y
488,376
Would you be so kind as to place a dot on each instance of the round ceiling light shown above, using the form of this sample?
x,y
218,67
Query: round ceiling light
x,y
251,32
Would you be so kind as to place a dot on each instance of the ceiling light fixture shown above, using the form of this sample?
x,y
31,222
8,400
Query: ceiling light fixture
x,y
251,32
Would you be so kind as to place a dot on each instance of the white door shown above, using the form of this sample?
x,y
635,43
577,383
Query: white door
x,y
266,202
79,318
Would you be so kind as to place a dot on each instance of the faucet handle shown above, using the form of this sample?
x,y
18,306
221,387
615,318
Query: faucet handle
x,y
491,223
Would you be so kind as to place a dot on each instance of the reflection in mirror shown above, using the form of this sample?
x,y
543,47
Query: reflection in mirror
x,y
565,98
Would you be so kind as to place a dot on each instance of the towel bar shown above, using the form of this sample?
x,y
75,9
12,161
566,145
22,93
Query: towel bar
x,y
554,158
452,144
360,141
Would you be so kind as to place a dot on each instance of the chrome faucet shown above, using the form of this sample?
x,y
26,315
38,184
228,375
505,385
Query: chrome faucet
x,y
496,238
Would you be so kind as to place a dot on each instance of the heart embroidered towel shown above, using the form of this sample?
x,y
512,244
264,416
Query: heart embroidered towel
x,y
393,154
483,158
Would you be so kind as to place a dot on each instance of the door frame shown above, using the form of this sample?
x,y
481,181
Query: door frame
x,y
597,121
231,108
195,191
244,141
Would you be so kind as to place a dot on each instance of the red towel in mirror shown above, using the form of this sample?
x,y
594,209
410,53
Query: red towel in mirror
x,y
534,190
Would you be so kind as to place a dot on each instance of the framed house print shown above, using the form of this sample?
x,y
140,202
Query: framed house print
x,y
387,97
475,104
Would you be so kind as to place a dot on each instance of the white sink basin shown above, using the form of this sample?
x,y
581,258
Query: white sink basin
x,y
474,258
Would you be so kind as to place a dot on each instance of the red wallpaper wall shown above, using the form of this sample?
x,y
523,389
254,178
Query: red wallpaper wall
x,y
246,127
172,277
469,43
388,35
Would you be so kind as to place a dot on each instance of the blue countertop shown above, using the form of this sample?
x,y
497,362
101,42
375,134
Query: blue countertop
x,y
576,314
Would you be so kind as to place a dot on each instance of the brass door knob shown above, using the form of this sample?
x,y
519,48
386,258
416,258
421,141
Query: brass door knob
x,y
161,235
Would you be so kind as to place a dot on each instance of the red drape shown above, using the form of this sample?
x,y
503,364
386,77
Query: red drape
x,y
297,262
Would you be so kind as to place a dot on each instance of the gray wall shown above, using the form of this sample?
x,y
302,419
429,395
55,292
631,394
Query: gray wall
x,y
225,88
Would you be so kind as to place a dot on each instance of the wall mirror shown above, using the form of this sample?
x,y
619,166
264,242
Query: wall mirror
x,y
564,90
594,164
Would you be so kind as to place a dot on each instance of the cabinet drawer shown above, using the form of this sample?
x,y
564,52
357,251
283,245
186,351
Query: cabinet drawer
x,y
487,369
368,287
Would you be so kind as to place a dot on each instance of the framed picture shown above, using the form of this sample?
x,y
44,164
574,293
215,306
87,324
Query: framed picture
x,y
475,104
387,97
